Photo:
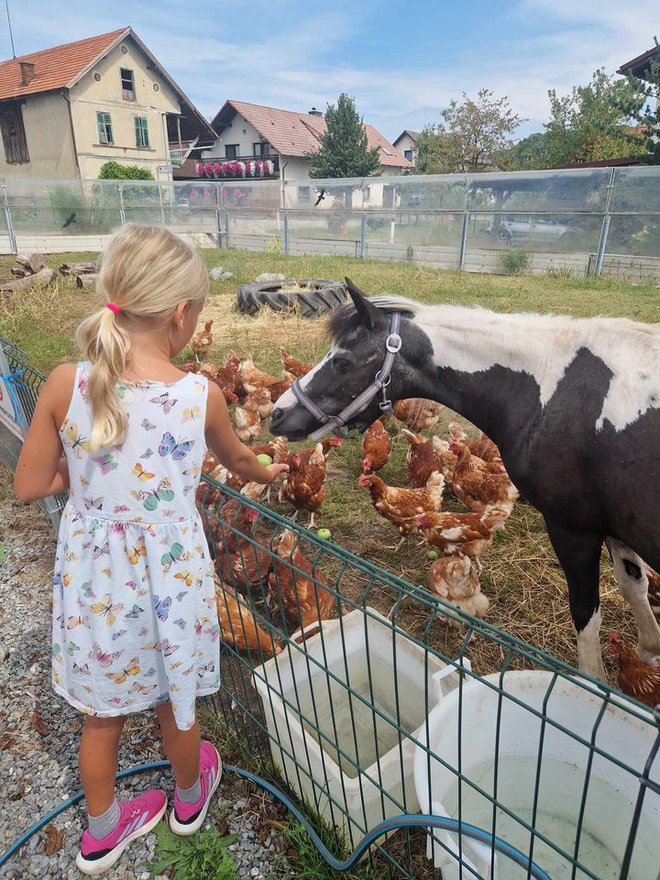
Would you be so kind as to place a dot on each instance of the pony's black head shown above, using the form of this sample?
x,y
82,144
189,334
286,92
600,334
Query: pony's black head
x,y
358,331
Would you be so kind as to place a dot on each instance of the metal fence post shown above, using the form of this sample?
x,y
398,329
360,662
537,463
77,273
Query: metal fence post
x,y
605,228
226,228
464,235
10,226
218,224
285,242
122,212
363,233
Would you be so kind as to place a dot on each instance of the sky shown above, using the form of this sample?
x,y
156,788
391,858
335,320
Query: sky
x,y
402,61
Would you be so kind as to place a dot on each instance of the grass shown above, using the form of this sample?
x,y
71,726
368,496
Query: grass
x,y
43,323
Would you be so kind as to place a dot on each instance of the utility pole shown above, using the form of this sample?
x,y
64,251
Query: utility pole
x,y
11,35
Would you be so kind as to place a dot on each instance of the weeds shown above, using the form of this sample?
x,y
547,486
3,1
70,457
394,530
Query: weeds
x,y
514,261
203,856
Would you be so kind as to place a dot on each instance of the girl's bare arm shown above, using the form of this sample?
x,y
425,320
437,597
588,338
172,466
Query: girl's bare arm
x,y
234,455
41,471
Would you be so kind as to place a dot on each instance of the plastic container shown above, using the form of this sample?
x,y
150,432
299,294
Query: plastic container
x,y
341,770
564,778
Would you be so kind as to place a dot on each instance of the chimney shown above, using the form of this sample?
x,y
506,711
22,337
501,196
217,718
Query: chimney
x,y
27,72
315,112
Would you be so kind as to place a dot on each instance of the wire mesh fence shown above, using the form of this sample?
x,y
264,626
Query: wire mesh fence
x,y
586,221
19,389
531,769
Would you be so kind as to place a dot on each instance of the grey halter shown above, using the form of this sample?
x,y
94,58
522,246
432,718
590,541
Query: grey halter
x,y
333,424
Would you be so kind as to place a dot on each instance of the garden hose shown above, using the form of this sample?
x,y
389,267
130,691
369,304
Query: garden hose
x,y
388,825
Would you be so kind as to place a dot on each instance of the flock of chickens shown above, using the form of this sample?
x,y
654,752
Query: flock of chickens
x,y
251,564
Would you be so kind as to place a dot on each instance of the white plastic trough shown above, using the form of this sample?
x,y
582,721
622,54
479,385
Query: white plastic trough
x,y
611,793
298,695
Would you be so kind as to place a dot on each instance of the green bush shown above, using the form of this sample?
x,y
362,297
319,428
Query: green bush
x,y
514,261
116,171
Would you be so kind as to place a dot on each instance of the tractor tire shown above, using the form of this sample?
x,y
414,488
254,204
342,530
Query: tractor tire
x,y
308,303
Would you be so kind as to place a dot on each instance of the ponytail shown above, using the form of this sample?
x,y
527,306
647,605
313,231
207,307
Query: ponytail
x,y
145,272
106,345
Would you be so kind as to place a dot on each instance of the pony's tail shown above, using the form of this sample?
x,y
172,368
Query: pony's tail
x,y
106,345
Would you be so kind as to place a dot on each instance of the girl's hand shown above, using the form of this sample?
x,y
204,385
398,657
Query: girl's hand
x,y
275,470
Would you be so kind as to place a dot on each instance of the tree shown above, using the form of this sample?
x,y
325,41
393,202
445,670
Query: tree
x,y
594,122
648,114
344,150
116,171
471,136
528,153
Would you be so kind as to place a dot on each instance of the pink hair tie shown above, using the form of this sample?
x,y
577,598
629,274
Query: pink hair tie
x,y
113,308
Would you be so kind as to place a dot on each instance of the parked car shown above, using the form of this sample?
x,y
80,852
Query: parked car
x,y
522,230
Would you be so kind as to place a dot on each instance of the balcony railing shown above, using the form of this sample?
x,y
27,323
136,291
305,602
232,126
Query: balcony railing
x,y
241,167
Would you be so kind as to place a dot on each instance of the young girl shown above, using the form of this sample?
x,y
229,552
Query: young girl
x,y
134,617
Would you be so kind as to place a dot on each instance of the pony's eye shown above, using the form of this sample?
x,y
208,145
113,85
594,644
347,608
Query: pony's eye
x,y
341,364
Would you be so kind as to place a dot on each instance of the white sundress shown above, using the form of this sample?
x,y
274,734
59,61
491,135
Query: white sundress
x,y
134,616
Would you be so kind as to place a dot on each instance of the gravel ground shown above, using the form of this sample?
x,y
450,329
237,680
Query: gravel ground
x,y
39,737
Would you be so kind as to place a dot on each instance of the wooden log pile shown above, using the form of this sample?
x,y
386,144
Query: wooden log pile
x,y
31,271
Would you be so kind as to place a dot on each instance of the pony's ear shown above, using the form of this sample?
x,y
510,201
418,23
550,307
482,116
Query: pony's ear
x,y
370,316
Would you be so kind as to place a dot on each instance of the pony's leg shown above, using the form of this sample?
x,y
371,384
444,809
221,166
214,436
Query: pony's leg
x,y
633,584
579,556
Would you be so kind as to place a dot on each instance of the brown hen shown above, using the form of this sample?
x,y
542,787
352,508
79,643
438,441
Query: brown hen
x,y
466,533
418,413
277,449
245,568
456,580
251,375
483,447
293,366
636,678
260,398
238,626
480,484
304,484
402,506
300,593
654,590
223,377
247,421
202,341
235,520
376,447
422,459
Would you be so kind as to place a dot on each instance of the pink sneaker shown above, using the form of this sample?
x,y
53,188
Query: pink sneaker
x,y
185,819
138,817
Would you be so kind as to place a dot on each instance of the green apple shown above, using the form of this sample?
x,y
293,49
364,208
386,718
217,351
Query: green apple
x,y
324,534
431,554
264,459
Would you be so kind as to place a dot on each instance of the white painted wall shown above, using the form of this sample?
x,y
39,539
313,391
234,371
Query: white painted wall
x,y
238,132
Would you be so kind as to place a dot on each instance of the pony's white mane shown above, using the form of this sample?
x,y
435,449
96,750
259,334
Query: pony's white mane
x,y
392,302
473,339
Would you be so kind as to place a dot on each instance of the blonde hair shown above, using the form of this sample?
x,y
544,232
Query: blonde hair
x,y
146,272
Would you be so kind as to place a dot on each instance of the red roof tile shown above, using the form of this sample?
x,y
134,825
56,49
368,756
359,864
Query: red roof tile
x,y
54,68
296,134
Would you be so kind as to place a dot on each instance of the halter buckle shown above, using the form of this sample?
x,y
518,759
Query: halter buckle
x,y
393,343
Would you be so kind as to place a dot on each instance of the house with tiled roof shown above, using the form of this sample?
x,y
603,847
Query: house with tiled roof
x,y
67,110
406,143
248,132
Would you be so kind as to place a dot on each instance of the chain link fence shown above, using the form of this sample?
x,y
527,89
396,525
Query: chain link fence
x,y
596,221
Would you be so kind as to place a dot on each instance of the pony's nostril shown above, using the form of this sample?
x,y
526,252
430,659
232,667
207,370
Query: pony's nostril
x,y
275,414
